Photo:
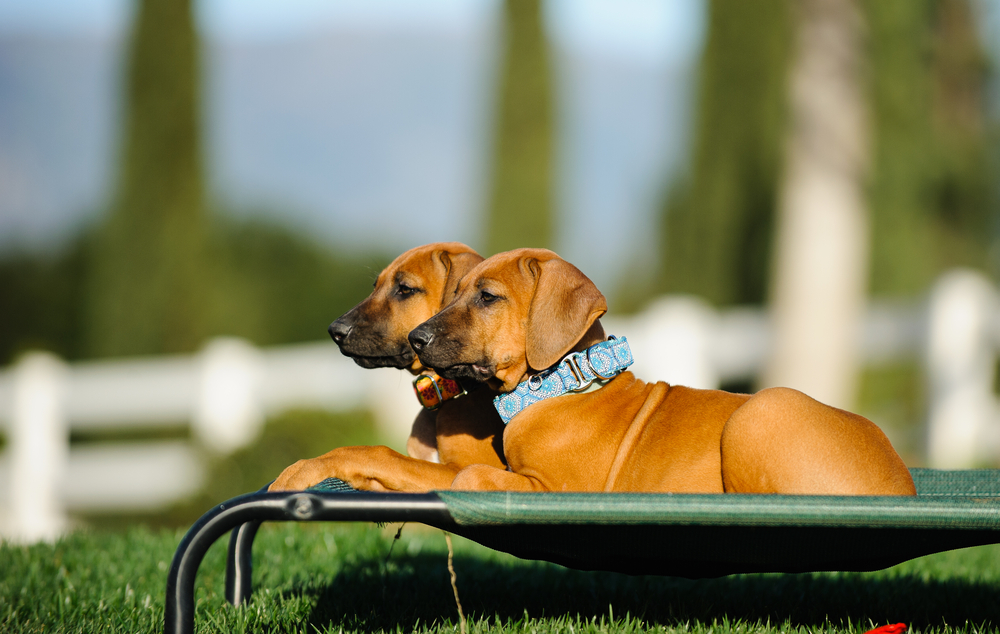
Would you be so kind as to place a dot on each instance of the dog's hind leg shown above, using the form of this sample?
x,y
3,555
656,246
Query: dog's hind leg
x,y
782,441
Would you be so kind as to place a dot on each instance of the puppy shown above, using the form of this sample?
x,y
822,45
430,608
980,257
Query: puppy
x,y
525,320
461,432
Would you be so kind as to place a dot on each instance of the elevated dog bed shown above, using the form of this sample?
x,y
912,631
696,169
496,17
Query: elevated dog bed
x,y
683,535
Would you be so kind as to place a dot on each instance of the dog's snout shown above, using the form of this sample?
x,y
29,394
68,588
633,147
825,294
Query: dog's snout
x,y
339,330
420,337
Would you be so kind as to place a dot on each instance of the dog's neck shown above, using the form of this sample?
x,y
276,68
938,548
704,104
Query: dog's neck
x,y
594,334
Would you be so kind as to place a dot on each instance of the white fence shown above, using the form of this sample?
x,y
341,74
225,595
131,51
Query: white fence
x,y
225,392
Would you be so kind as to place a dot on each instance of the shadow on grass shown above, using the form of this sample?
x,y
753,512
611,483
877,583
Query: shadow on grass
x,y
372,596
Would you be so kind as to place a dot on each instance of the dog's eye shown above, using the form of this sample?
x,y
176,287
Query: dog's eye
x,y
405,291
487,297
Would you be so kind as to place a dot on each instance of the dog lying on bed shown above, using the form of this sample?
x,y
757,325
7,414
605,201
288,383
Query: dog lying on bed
x,y
526,323
460,432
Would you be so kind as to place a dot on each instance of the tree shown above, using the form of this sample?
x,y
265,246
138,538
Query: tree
x,y
930,189
521,205
821,246
146,285
718,221
929,195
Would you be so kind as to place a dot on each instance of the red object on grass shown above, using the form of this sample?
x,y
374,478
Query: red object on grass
x,y
896,628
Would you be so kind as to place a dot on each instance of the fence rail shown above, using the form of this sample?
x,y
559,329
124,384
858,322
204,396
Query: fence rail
x,y
225,392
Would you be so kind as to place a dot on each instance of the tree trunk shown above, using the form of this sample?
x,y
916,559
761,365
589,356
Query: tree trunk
x,y
821,249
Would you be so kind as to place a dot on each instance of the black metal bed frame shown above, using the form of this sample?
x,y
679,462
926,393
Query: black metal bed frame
x,y
243,516
953,510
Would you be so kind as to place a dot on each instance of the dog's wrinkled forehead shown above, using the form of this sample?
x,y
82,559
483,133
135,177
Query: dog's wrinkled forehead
x,y
508,269
425,263
408,262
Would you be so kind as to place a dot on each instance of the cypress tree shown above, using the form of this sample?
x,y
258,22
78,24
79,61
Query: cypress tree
x,y
719,219
520,213
145,289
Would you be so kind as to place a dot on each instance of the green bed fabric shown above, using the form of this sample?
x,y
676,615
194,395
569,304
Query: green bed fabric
x,y
694,535
955,499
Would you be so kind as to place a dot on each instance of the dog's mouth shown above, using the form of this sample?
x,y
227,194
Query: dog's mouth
x,y
376,352
400,361
481,373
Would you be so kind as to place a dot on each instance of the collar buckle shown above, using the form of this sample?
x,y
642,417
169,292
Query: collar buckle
x,y
582,381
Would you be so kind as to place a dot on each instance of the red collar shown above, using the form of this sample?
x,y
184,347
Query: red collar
x,y
432,390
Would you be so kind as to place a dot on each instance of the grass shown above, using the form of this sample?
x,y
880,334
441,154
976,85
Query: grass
x,y
341,578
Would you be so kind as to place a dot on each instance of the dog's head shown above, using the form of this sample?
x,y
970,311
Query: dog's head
x,y
515,313
408,292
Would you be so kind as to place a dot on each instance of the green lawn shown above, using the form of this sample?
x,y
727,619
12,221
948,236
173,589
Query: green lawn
x,y
342,578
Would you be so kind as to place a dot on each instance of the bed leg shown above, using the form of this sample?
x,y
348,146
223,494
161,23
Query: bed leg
x,y
239,563
178,617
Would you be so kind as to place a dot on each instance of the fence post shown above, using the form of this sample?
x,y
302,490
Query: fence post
x,y
673,342
228,413
960,367
38,449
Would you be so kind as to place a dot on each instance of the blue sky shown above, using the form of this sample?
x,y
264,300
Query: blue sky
x,y
650,28
621,125
624,79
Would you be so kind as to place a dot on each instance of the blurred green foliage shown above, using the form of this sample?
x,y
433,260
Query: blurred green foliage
x,y
932,203
274,286
263,282
719,217
521,207
41,295
892,395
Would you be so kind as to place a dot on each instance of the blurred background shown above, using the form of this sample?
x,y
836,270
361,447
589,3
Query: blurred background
x,y
783,193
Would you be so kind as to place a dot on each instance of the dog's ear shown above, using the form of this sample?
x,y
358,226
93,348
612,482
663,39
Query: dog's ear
x,y
565,305
456,264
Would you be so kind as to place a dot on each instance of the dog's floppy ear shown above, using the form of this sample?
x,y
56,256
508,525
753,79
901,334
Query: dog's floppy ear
x,y
456,264
565,304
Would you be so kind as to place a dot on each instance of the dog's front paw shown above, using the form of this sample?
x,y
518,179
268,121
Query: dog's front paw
x,y
301,475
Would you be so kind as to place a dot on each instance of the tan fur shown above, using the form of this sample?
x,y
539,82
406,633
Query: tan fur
x,y
631,435
460,433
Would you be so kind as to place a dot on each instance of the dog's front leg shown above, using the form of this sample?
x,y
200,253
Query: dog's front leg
x,y
480,477
368,469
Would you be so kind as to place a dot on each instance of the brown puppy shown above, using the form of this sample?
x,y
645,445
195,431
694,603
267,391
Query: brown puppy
x,y
463,431
520,312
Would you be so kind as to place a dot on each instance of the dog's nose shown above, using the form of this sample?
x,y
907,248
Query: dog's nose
x,y
339,330
420,338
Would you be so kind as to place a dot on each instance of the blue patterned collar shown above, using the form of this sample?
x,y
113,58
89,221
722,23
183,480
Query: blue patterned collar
x,y
575,373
